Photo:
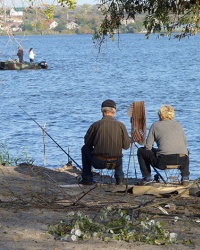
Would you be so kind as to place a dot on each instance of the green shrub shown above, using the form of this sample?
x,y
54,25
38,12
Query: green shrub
x,y
7,160
112,224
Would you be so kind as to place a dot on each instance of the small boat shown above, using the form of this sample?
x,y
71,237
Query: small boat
x,y
15,65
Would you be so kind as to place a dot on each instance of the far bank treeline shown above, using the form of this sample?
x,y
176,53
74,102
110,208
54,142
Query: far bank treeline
x,y
83,19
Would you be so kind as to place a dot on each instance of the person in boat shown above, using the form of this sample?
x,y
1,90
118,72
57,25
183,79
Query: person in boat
x,y
31,55
171,142
103,146
20,54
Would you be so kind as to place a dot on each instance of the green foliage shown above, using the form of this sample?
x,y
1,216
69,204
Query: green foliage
x,y
61,26
86,16
188,242
4,155
25,158
6,160
112,224
27,26
70,3
157,234
49,12
161,16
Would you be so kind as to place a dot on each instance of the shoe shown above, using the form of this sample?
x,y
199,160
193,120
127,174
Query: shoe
x,y
145,181
156,178
185,181
85,182
119,181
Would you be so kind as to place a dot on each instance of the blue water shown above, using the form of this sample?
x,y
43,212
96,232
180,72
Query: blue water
x,y
67,97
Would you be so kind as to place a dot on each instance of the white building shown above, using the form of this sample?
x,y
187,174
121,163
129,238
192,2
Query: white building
x,y
53,24
71,25
17,12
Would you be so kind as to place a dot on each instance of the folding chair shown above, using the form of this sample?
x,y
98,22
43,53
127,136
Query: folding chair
x,y
105,176
173,174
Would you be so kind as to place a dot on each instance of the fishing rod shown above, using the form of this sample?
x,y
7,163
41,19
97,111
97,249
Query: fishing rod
x,y
51,138
159,175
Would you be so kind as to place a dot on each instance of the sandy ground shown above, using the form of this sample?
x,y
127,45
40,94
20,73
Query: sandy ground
x,y
31,198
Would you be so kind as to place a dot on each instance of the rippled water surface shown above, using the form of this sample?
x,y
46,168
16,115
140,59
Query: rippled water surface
x,y
67,97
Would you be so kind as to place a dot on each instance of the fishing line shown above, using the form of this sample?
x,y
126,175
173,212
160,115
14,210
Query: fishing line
x,y
51,138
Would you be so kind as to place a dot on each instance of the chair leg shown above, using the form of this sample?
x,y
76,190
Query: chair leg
x,y
129,161
172,173
105,173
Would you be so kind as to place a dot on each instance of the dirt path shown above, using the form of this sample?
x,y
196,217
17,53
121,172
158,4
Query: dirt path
x,y
31,198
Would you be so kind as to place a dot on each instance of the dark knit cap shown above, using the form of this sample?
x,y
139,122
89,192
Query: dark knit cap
x,y
108,103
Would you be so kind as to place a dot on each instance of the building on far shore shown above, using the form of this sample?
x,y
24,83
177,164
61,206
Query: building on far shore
x,y
71,25
16,12
53,24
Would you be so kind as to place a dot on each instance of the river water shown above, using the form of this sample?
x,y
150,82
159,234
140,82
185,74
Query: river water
x,y
67,97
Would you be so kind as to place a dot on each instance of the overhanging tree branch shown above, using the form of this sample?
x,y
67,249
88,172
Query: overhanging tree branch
x,y
161,16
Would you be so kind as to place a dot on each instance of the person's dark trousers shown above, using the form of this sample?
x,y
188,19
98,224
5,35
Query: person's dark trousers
x,y
147,158
175,159
88,161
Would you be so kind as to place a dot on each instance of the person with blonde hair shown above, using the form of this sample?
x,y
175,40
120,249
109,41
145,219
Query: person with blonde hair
x,y
171,149
166,112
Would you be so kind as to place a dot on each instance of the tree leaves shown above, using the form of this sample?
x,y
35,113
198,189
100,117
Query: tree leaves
x,y
161,16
